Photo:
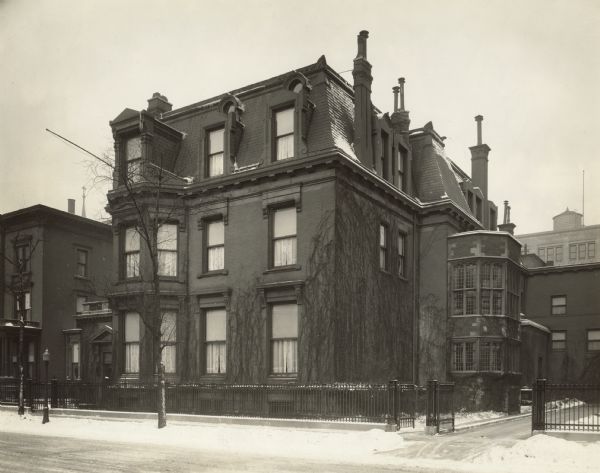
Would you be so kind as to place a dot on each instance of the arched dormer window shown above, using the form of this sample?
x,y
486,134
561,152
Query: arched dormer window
x,y
233,108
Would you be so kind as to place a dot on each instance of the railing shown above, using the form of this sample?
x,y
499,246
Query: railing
x,y
440,407
570,407
393,404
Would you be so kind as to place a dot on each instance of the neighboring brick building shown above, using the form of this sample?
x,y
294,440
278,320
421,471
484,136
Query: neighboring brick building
x,y
309,240
566,300
569,242
51,262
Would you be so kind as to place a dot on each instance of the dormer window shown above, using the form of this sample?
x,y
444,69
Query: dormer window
x,y
284,134
216,141
133,154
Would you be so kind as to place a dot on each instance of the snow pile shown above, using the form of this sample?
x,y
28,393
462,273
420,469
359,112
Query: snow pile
x,y
328,445
546,454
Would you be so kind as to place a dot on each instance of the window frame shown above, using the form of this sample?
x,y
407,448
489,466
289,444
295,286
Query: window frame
x,y
209,155
168,251
272,339
207,247
131,343
130,163
558,344
127,253
558,309
168,340
459,356
221,343
82,265
384,250
289,107
595,341
401,253
273,239
22,257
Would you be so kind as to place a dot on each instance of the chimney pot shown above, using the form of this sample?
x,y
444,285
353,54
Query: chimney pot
x,y
396,90
401,81
362,44
479,119
71,206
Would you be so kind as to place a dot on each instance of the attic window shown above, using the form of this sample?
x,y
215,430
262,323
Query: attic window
x,y
284,134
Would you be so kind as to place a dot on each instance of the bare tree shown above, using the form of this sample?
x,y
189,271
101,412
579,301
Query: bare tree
x,y
19,289
149,195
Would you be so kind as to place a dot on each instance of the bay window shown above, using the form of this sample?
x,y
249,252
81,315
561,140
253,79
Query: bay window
x,y
132,342
133,154
166,243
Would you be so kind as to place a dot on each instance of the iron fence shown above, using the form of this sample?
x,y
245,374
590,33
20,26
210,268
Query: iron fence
x,y
571,407
440,407
394,404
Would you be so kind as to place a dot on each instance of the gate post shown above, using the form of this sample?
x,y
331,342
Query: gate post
x,y
392,417
538,410
432,416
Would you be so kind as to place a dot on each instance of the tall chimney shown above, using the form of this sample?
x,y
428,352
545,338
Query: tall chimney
x,y
71,206
507,226
479,170
400,118
362,103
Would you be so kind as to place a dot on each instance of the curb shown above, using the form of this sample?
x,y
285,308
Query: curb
x,y
204,419
498,420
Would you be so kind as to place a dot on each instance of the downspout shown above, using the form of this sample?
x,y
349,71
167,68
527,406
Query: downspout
x,y
416,308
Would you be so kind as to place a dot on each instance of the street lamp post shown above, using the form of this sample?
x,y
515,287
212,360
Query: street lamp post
x,y
46,358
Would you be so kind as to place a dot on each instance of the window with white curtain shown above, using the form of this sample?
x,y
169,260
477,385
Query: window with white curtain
x,y
132,342
216,341
215,245
215,152
132,252
168,339
133,152
284,134
166,242
284,338
284,237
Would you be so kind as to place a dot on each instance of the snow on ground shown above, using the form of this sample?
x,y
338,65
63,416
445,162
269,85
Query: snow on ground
x,y
546,454
540,453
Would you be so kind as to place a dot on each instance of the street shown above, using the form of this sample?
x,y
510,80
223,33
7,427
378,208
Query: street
x,y
32,453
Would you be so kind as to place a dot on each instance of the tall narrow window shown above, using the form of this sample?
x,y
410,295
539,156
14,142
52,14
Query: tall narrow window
x,y
559,254
166,242
133,152
401,157
82,263
215,245
22,258
215,341
383,247
559,305
168,339
401,254
215,152
385,161
284,134
464,292
542,253
559,340
572,252
284,237
284,338
23,305
132,253
550,254
132,342
591,249
74,368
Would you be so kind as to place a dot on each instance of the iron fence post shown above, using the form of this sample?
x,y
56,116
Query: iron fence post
x,y
538,410
432,411
54,393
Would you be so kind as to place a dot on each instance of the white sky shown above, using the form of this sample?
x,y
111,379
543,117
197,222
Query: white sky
x,y
532,68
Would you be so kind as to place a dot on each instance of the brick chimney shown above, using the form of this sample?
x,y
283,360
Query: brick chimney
x,y
507,226
71,206
479,161
400,119
158,104
362,103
